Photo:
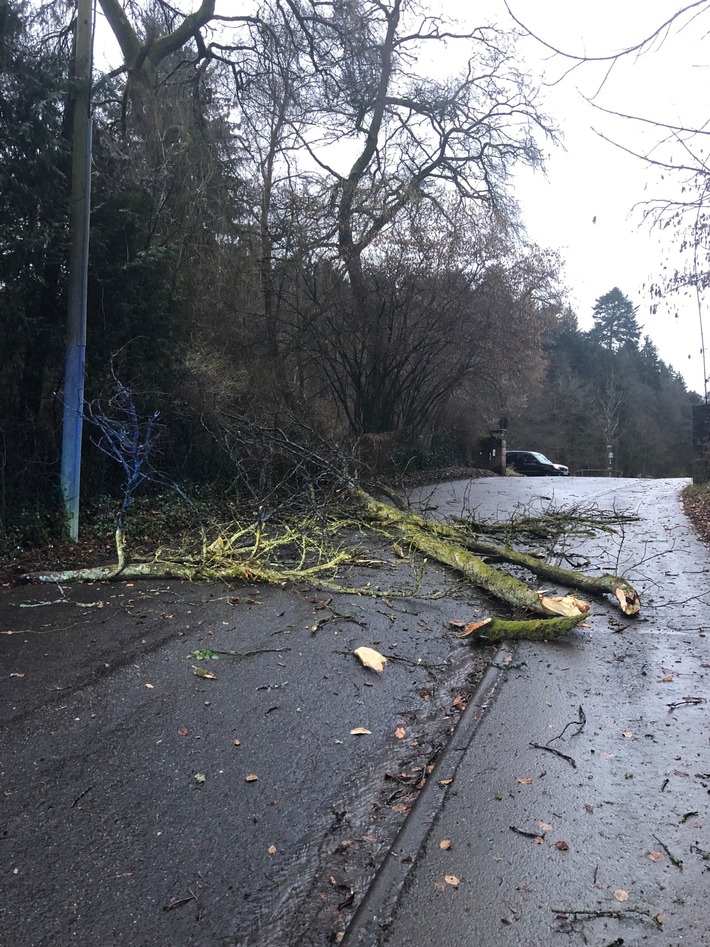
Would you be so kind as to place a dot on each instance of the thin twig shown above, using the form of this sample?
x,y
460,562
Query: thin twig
x,y
619,913
673,860
526,834
80,797
550,749
581,722
249,654
687,702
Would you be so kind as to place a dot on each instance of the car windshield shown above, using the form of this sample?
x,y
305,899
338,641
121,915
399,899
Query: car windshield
x,y
541,458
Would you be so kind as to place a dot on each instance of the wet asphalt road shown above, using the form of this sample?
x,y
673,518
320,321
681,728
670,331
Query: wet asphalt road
x,y
128,813
108,836
617,843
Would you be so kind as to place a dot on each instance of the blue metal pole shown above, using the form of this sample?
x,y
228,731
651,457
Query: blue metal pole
x,y
78,272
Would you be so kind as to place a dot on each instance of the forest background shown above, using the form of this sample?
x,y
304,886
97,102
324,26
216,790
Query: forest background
x,y
303,237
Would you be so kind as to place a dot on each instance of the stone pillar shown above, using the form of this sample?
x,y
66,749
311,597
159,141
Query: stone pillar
x,y
701,443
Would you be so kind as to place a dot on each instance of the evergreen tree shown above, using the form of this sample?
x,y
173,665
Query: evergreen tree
x,y
615,324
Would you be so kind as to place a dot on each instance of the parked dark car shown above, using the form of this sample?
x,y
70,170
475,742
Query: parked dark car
x,y
532,463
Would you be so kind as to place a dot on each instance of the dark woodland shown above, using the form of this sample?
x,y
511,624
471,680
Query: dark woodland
x,y
298,237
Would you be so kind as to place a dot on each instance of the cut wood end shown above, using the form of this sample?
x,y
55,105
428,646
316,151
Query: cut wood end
x,y
628,600
472,627
565,605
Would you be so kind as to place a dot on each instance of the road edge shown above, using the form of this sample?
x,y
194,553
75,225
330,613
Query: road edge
x,y
377,908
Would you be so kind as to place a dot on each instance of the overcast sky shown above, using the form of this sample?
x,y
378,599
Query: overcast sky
x,y
584,207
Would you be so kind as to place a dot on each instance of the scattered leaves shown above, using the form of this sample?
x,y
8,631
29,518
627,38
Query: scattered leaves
x,y
237,742
359,731
150,686
621,895
183,731
445,844
667,679
452,880
370,658
251,778
445,782
200,778
400,733
272,849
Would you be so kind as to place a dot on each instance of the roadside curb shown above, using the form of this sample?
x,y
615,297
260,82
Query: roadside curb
x,y
376,910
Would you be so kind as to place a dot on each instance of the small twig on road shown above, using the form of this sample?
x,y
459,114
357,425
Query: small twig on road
x,y
687,702
178,902
525,834
619,913
580,722
250,654
80,796
550,749
673,860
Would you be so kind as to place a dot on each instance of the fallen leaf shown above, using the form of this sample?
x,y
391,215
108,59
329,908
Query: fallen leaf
x,y
656,856
340,937
17,674
201,672
538,840
400,733
402,808
359,731
621,895
452,880
183,731
272,849
445,782
440,885
251,778
667,679
457,623
627,733
445,844
150,686
370,658
460,702
200,778
237,742
544,826
525,782
562,846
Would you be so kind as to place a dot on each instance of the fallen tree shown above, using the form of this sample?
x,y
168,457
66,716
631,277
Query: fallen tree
x,y
298,554
421,533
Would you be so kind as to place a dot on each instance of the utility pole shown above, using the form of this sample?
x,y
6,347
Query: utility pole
x,y
78,268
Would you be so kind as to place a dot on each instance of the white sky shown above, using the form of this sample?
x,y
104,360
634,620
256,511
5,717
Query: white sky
x,y
591,178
